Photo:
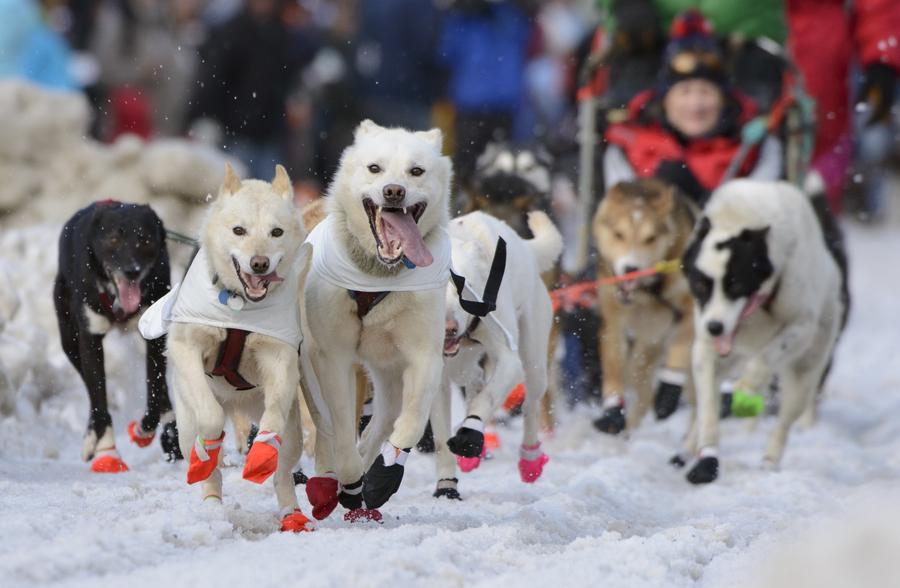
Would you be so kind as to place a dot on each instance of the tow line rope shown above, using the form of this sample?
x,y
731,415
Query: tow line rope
x,y
573,295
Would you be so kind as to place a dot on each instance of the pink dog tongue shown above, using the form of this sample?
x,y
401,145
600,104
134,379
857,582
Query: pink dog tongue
x,y
256,281
402,227
129,295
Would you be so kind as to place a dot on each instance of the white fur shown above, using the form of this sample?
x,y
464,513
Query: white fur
x,y
523,308
400,340
271,364
795,337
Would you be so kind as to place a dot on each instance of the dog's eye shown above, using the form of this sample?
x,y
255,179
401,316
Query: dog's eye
x,y
619,236
649,240
416,171
276,232
375,168
239,231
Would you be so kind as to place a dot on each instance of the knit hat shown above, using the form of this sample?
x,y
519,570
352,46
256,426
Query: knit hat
x,y
692,53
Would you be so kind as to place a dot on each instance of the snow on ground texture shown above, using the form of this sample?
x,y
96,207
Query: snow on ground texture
x,y
606,512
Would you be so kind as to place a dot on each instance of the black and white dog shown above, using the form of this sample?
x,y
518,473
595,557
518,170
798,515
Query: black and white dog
x,y
112,263
768,273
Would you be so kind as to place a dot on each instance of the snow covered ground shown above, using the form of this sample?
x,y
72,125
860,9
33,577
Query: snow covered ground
x,y
607,512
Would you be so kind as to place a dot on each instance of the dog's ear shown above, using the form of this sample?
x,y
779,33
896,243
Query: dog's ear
x,y
435,137
231,183
665,201
365,127
282,183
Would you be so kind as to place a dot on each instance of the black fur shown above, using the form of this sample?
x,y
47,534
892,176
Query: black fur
x,y
426,443
700,284
99,240
748,265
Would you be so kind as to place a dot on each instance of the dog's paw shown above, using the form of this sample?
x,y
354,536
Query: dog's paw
x,y
677,461
426,443
363,515
531,463
262,460
169,442
300,477
447,488
612,422
322,493
350,495
296,522
384,477
704,471
204,458
139,436
666,401
469,438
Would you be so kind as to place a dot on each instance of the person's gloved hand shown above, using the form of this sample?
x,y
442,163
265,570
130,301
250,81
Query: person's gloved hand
x,y
677,173
878,91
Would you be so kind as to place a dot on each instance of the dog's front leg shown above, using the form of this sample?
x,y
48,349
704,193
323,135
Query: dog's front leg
x,y
99,441
611,339
158,404
645,359
678,362
200,415
280,375
703,359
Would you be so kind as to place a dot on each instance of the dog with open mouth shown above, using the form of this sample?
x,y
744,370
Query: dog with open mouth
x,y
771,298
234,334
375,297
645,322
489,356
113,263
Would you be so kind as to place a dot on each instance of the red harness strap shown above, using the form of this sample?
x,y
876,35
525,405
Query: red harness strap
x,y
230,358
366,301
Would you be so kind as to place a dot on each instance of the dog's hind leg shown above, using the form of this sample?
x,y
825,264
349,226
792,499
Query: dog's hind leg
x,y
797,386
533,353
445,464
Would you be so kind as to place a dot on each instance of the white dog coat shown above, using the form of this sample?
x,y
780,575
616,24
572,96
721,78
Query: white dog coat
x,y
198,300
332,263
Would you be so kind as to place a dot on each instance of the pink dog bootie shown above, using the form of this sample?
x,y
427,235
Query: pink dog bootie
x,y
531,462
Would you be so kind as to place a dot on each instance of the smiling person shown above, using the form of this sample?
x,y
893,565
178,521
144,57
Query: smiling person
x,y
686,130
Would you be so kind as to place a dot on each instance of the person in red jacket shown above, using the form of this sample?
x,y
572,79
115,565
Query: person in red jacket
x,y
687,129
824,35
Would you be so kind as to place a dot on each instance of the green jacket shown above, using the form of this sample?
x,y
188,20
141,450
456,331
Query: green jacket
x,y
752,18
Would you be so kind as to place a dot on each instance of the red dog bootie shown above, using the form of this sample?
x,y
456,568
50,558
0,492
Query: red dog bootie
x,y
467,464
108,461
363,515
204,458
531,462
296,522
139,436
262,460
322,492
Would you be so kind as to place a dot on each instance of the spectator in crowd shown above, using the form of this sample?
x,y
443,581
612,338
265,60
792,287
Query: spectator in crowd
x,y
29,49
246,71
483,47
687,129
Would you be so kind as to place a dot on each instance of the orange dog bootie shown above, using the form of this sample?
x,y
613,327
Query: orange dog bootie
x,y
139,436
108,461
296,522
262,460
204,458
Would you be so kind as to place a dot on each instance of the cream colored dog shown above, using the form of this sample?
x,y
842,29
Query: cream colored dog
x,y
234,337
376,297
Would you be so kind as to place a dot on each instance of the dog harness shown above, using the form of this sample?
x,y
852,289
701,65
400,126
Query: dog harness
x,y
199,300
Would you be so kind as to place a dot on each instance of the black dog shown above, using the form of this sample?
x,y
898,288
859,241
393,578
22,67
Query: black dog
x,y
113,262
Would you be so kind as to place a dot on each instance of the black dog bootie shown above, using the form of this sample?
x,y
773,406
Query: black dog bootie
x,y
383,479
469,438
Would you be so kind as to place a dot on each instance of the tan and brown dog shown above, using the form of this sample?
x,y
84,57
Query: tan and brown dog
x,y
645,323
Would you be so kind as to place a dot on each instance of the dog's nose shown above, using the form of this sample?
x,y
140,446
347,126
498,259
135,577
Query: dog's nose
x,y
259,264
393,194
715,328
451,327
132,273
631,268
